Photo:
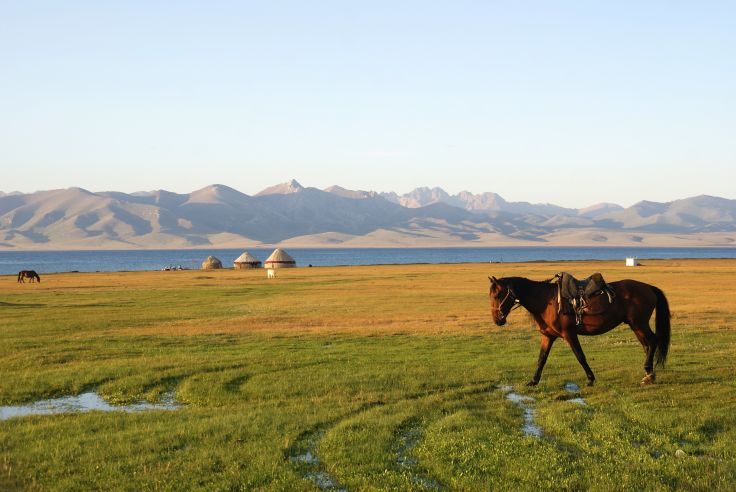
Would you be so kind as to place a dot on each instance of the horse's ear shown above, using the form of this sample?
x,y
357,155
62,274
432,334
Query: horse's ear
x,y
494,279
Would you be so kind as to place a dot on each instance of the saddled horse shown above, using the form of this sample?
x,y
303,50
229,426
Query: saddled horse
x,y
633,304
31,275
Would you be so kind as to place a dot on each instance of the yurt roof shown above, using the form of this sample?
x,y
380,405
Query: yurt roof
x,y
247,258
211,261
280,256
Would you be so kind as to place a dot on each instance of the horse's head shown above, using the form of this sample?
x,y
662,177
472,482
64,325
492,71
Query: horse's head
x,y
503,299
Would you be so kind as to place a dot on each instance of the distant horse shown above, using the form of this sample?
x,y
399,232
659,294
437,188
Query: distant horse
x,y
633,304
31,275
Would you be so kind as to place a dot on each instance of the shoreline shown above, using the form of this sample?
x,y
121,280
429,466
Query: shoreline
x,y
458,263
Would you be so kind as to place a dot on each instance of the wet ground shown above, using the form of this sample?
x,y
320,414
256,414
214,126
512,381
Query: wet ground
x,y
522,401
530,428
303,456
574,389
409,436
85,402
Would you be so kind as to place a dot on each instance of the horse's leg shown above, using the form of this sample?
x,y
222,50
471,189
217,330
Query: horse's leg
x,y
571,337
649,341
545,347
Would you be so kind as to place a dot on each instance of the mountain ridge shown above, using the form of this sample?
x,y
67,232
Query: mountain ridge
x,y
291,214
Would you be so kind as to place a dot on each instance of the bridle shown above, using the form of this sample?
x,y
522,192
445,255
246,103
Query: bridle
x,y
514,299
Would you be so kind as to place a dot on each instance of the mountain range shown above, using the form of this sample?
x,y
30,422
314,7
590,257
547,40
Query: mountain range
x,y
289,214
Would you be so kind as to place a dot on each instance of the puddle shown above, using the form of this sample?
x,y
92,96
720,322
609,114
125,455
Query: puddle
x,y
304,456
529,428
307,457
575,389
85,402
408,438
572,387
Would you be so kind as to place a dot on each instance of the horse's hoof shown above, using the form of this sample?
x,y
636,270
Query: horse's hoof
x,y
591,382
532,383
648,379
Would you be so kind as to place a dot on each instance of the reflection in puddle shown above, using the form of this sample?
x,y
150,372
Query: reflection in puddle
x,y
571,387
409,436
408,440
574,388
308,465
529,428
86,402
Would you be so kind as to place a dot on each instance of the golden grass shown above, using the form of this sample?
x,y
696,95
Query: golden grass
x,y
379,300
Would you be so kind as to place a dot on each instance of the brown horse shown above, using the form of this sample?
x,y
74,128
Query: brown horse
x,y
31,275
633,304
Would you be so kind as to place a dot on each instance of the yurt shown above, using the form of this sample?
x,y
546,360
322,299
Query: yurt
x,y
211,263
245,261
280,259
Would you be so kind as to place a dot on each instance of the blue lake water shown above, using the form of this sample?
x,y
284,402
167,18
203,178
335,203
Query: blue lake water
x,y
126,260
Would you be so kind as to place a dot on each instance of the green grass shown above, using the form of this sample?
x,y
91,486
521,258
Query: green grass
x,y
348,364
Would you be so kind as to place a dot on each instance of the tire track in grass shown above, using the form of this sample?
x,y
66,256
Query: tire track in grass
x,y
302,455
530,428
409,434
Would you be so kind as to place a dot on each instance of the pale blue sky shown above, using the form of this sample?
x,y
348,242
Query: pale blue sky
x,y
570,102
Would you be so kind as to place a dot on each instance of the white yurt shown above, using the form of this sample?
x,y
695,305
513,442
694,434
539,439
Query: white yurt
x,y
211,263
280,259
245,261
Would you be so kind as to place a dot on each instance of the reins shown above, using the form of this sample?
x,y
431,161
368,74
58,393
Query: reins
x,y
515,299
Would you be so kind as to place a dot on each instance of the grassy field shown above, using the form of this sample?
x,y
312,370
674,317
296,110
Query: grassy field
x,y
381,377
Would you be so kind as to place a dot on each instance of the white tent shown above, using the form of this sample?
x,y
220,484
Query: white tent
x,y
246,260
280,259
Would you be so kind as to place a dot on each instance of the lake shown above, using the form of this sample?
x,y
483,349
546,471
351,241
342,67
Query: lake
x,y
128,260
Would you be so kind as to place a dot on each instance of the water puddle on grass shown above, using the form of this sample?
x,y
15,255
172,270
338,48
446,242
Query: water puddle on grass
x,y
85,402
574,389
409,436
529,428
303,455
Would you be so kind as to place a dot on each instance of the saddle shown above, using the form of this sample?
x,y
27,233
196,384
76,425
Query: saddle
x,y
573,295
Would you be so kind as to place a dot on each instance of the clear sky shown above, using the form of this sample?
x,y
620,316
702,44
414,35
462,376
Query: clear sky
x,y
569,102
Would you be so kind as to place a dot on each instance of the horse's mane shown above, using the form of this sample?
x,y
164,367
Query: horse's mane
x,y
532,294
522,285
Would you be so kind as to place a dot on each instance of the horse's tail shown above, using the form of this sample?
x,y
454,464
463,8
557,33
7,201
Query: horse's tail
x,y
662,324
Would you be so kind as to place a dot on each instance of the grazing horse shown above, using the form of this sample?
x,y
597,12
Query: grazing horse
x,y
31,275
633,304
